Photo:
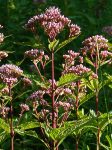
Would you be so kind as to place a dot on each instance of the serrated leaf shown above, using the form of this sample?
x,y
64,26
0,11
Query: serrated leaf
x,y
88,61
109,140
32,134
41,84
86,98
61,45
67,78
28,125
3,136
53,45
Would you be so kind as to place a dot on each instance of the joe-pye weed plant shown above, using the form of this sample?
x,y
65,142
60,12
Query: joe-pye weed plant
x,y
55,104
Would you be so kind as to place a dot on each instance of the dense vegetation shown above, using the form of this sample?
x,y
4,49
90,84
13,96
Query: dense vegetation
x,y
55,74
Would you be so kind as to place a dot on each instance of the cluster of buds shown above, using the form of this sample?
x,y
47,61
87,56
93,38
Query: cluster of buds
x,y
53,23
24,108
94,44
9,74
70,59
79,70
97,46
108,30
66,105
4,111
35,54
3,55
74,30
38,95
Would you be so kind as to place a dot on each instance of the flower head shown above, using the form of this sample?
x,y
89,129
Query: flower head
x,y
11,70
94,43
24,107
74,30
53,23
36,95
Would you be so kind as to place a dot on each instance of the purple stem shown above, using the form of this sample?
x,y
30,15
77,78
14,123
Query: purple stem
x,y
11,121
35,64
53,101
53,96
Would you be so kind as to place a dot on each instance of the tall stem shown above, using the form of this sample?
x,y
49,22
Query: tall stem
x,y
77,104
77,99
53,101
11,121
53,96
97,99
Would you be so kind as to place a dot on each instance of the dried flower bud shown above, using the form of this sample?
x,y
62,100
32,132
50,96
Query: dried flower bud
x,y
27,82
3,55
5,90
1,26
1,37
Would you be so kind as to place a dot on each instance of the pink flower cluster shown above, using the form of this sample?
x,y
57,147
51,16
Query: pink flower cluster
x,y
36,95
24,107
9,73
35,54
79,70
94,43
53,23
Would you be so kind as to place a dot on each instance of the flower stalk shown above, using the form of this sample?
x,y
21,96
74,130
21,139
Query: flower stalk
x,y
11,120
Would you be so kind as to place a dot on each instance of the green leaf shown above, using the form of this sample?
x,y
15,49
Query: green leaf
x,y
41,84
109,140
32,134
88,61
28,125
86,98
61,45
104,146
4,125
67,78
53,45
3,136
